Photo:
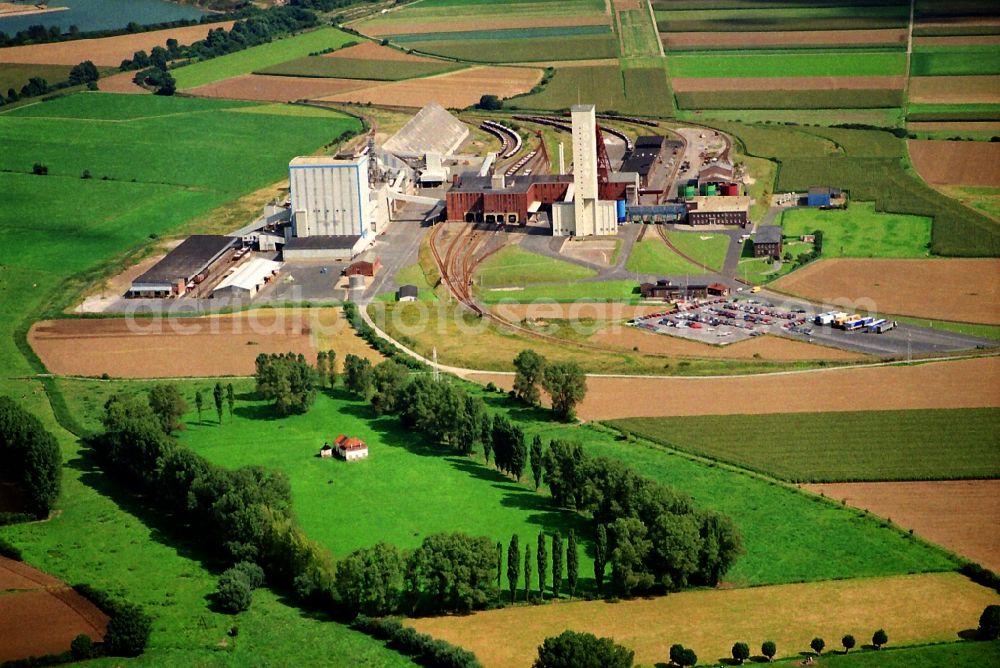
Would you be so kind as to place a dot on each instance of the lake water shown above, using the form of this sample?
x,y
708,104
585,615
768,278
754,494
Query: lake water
x,y
102,14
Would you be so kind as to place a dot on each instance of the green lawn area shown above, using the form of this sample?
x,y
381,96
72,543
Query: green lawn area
x,y
708,249
355,68
832,447
652,256
414,275
860,231
565,292
788,536
259,57
518,267
444,12
788,64
16,75
954,655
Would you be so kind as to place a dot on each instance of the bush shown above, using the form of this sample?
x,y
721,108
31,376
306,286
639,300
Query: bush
x,y
38,169
582,650
989,623
128,631
82,647
425,649
233,593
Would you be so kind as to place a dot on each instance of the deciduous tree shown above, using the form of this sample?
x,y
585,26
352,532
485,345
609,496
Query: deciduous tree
x,y
817,645
768,649
848,642
879,638
582,650
167,403
370,580
566,385
529,367
741,652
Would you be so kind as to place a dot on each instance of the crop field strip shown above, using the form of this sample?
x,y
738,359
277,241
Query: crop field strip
x,y
782,19
951,61
637,91
350,68
804,63
799,39
828,447
277,89
576,47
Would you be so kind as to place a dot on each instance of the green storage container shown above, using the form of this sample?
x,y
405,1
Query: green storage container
x,y
711,189
689,191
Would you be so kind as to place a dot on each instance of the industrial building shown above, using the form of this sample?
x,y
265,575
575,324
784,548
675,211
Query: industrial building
x,y
822,196
431,130
648,152
330,196
181,269
500,199
586,214
338,248
719,210
718,179
667,291
245,281
767,241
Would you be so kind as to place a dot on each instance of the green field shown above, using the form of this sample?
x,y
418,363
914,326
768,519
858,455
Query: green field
x,y
16,75
860,231
838,447
514,266
356,68
504,35
652,256
877,117
868,165
641,90
833,63
566,292
973,59
785,99
522,50
954,655
647,92
708,249
639,36
788,536
445,12
754,16
259,57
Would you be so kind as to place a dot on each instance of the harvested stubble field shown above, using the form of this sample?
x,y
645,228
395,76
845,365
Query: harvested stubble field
x,y
957,384
40,615
956,290
709,621
955,90
265,88
373,51
455,90
961,515
355,68
700,84
109,51
956,163
121,83
224,345
697,41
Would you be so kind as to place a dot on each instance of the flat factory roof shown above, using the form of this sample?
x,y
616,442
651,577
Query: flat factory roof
x,y
513,184
320,160
323,242
715,204
187,260
768,234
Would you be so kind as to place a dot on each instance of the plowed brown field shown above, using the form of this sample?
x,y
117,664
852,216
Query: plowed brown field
x,y
373,51
911,608
44,615
737,40
266,88
958,290
455,90
956,163
685,85
961,515
387,28
224,345
121,83
955,90
104,50
958,384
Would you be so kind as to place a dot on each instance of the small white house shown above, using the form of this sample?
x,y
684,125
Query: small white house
x,y
326,451
350,448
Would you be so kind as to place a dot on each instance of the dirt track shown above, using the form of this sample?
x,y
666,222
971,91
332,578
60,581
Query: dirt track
x,y
700,84
43,615
189,347
961,515
104,50
267,88
911,608
736,40
455,90
956,163
958,384
957,290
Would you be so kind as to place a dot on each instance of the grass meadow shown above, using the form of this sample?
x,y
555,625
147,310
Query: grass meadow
x,y
15,75
954,655
618,291
833,63
259,57
838,447
860,231
514,266
538,49
652,256
786,99
355,68
708,249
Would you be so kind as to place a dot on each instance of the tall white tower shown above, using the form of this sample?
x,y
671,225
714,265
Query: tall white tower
x,y
585,167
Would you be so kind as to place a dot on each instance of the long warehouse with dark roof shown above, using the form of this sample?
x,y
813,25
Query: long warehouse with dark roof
x,y
184,264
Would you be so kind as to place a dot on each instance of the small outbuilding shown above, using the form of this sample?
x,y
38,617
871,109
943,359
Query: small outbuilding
x,y
350,448
407,293
326,451
366,267
821,196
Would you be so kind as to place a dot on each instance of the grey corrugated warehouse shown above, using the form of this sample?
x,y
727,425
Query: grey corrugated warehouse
x,y
194,257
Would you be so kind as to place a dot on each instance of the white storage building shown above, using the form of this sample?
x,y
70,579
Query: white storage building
x,y
247,279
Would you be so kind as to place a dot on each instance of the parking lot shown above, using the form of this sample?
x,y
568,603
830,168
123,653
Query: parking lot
x,y
725,320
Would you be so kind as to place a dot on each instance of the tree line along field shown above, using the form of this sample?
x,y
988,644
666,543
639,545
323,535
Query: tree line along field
x,y
868,164
838,447
860,231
